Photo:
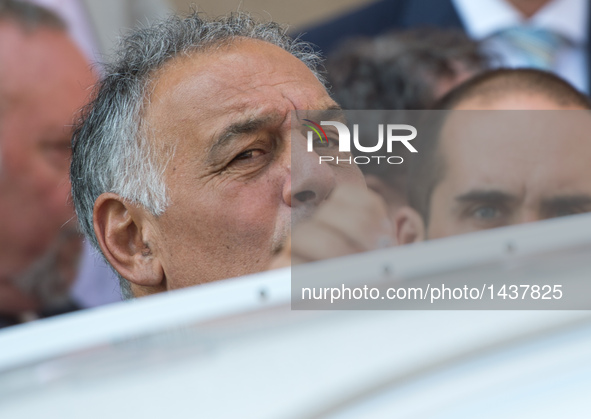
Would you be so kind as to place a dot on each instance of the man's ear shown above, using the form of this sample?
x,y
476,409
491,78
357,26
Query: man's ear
x,y
124,234
410,227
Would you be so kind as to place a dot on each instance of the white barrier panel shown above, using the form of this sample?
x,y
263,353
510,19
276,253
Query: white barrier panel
x,y
234,349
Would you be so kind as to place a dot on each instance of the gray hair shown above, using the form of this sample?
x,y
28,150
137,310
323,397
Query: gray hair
x,y
111,151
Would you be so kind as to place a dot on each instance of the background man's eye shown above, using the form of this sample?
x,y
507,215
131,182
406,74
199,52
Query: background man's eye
x,y
320,143
486,213
326,142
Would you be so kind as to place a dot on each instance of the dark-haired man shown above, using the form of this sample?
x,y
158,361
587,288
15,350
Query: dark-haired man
x,y
491,169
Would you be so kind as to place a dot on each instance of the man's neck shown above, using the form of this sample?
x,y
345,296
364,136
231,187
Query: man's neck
x,y
528,8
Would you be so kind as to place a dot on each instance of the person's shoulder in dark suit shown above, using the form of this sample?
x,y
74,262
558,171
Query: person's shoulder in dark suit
x,y
379,17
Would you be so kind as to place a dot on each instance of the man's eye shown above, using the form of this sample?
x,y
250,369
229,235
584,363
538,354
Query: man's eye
x,y
486,213
325,142
320,143
248,154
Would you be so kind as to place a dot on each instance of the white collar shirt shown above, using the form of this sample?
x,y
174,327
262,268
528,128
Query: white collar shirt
x,y
483,19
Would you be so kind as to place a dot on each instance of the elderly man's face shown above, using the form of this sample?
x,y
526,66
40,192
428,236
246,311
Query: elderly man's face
x,y
511,168
227,115
44,80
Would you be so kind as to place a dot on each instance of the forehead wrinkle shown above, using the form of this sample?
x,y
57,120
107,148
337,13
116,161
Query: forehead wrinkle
x,y
222,54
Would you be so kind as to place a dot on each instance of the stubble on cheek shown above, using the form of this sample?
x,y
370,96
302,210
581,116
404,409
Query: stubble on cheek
x,y
279,240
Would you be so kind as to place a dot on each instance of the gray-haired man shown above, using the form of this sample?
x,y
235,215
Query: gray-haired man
x,y
182,167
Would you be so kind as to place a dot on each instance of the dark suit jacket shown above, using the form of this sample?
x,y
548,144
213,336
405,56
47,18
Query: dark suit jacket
x,y
382,16
385,15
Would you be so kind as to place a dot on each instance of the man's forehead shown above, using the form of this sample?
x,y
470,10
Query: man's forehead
x,y
488,147
517,100
246,80
229,64
491,128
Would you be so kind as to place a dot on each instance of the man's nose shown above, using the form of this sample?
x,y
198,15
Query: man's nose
x,y
311,181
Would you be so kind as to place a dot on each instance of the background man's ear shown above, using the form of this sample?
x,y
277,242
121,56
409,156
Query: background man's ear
x,y
410,227
124,234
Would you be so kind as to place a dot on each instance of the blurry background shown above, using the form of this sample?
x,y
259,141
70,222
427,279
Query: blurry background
x,y
110,16
295,13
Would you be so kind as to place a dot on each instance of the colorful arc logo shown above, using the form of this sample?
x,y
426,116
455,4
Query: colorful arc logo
x,y
318,127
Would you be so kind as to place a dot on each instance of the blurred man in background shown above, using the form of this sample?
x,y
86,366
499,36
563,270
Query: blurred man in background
x,y
492,169
44,81
95,26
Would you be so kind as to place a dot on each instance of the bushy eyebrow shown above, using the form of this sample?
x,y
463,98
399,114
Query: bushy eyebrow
x,y
548,206
246,126
251,125
566,201
486,196
332,112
